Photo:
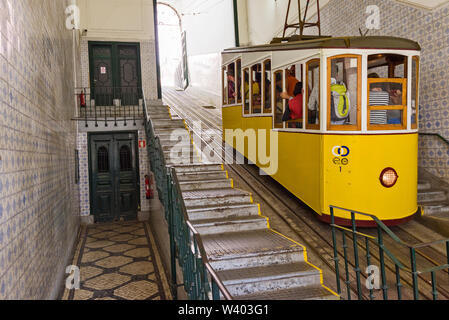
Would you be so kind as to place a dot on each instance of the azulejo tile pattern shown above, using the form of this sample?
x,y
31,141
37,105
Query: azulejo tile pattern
x,y
39,215
431,30
118,261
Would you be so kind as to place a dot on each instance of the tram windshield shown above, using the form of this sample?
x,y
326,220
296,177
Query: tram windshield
x,y
387,91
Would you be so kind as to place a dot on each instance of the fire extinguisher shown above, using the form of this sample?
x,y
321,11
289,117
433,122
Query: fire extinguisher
x,y
148,190
82,99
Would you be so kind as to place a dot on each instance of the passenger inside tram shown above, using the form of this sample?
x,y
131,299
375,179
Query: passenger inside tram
x,y
378,97
232,93
295,105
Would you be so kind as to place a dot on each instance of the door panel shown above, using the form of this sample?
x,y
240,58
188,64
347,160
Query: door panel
x,y
114,176
115,72
103,74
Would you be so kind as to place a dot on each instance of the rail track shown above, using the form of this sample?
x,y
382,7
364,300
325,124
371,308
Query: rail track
x,y
301,220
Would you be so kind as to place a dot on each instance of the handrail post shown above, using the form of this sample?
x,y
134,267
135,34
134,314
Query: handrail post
x,y
382,263
336,260
368,263
345,254
172,238
414,273
356,256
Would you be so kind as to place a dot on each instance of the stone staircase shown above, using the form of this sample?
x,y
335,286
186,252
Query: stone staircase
x,y
253,261
434,201
433,195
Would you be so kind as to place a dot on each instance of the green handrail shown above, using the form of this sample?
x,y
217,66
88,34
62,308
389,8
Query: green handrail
x,y
435,135
186,246
382,229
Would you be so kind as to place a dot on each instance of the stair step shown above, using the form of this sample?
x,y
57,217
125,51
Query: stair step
x,y
298,293
168,123
253,280
210,212
230,224
198,168
216,197
431,196
177,146
176,143
202,175
234,250
436,208
205,184
424,185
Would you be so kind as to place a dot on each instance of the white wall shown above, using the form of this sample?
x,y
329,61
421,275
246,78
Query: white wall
x,y
122,21
117,19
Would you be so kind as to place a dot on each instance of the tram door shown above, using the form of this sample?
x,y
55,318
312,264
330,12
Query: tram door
x,y
113,176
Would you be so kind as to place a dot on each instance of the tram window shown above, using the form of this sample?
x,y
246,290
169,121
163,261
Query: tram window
x,y
293,76
224,75
387,92
415,93
344,96
267,87
246,91
313,94
256,80
239,81
279,102
232,94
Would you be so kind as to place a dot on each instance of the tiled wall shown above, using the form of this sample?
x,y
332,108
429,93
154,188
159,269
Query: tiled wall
x,y
39,216
431,30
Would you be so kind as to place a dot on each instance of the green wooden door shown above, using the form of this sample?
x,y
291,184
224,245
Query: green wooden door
x,y
114,176
115,72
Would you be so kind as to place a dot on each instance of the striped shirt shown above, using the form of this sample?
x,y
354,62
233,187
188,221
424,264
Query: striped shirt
x,y
378,98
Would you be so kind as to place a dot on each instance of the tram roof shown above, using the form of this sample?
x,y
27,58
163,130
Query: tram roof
x,y
368,42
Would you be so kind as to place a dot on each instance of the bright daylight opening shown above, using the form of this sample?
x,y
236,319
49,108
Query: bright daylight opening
x,y
170,49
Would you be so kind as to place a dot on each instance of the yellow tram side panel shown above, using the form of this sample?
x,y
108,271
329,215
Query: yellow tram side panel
x,y
299,155
354,183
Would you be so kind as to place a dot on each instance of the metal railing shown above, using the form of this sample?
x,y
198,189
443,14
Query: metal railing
x,y
109,104
186,247
400,269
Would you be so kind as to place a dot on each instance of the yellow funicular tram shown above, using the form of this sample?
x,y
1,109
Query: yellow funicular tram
x,y
355,145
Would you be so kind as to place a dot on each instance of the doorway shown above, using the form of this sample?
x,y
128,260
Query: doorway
x,y
115,72
114,176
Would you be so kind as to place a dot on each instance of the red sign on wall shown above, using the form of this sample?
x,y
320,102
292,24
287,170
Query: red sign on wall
x,y
142,144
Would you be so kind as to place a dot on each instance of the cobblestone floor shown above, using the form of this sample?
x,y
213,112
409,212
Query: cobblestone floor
x,y
118,261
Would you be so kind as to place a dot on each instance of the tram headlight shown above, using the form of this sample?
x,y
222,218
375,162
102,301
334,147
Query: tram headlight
x,y
388,177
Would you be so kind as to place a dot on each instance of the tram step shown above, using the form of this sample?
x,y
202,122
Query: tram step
x,y
209,212
180,169
202,175
205,184
299,293
228,224
236,250
216,197
424,185
431,196
254,280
